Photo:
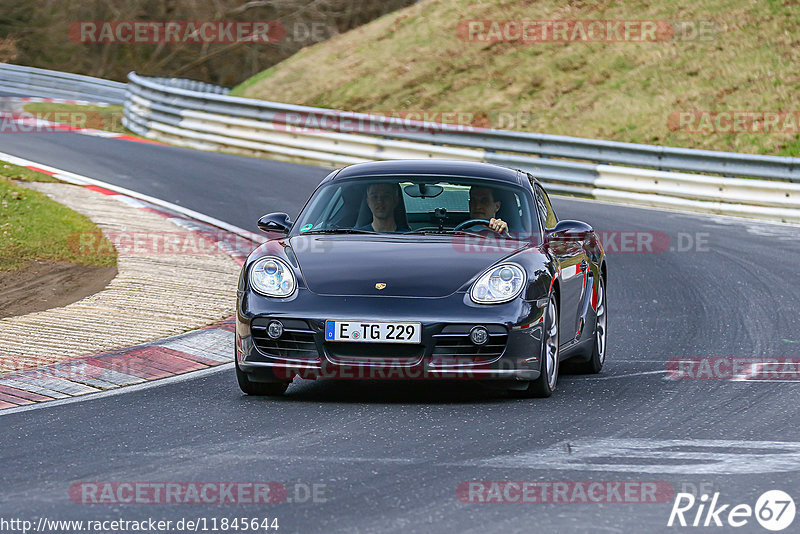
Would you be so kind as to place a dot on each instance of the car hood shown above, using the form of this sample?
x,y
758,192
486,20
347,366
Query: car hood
x,y
420,266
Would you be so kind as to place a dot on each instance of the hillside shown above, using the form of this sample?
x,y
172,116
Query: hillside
x,y
709,55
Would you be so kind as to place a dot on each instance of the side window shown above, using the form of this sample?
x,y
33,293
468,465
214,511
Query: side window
x,y
541,209
545,209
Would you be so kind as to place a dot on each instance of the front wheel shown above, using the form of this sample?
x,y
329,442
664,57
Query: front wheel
x,y
594,364
273,389
546,383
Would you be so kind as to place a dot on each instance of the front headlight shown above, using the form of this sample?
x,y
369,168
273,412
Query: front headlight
x,y
272,277
499,284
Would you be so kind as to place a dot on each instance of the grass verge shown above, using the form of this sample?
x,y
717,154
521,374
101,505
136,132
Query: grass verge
x,y
108,118
33,227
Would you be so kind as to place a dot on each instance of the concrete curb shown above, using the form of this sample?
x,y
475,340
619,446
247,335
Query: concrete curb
x,y
200,349
192,351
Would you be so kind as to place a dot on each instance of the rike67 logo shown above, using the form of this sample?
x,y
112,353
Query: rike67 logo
x,y
774,510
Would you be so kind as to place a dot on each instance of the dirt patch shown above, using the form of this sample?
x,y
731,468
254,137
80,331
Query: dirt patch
x,y
42,285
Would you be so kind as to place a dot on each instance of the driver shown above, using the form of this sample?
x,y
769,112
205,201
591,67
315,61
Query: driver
x,y
482,205
383,199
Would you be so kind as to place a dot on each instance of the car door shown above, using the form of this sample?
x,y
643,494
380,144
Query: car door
x,y
571,258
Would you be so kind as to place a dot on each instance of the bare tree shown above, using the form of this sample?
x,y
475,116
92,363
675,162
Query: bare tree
x,y
41,37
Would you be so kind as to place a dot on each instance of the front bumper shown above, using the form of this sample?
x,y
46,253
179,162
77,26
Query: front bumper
x,y
445,352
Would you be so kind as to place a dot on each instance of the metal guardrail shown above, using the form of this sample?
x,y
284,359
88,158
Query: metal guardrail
x,y
191,85
489,140
31,81
204,116
214,121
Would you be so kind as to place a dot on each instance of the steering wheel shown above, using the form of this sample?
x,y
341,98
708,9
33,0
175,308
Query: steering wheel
x,y
475,222
471,222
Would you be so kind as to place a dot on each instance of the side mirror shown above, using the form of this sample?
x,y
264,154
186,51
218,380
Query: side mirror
x,y
569,229
275,222
566,236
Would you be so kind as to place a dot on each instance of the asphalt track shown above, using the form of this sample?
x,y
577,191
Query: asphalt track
x,y
391,455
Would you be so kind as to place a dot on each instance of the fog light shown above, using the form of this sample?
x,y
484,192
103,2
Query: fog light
x,y
479,335
275,329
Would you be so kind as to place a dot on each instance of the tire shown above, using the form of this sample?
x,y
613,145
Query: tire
x,y
595,363
272,389
546,383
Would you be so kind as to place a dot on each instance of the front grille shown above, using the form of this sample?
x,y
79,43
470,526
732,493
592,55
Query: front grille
x,y
374,353
453,346
297,341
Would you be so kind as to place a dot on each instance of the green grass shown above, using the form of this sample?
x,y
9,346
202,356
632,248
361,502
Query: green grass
x,y
33,227
108,118
23,174
412,59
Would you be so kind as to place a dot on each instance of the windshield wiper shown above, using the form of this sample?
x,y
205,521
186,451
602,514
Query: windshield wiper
x,y
445,232
339,231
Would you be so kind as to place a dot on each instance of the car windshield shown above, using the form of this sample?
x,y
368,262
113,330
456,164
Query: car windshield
x,y
405,204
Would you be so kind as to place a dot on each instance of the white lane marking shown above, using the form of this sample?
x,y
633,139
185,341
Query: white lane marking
x,y
329,459
79,179
738,378
719,456
627,360
756,380
612,377
584,378
675,456
120,391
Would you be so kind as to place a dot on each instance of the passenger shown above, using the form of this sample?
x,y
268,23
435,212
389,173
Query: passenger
x,y
482,205
383,200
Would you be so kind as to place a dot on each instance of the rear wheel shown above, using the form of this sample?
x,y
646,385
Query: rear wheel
x,y
259,388
546,383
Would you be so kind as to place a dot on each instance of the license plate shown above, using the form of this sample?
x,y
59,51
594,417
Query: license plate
x,y
372,331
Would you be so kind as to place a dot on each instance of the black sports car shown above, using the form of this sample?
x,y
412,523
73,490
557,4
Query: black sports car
x,y
422,270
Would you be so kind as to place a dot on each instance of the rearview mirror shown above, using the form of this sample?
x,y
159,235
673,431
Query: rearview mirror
x,y
275,222
423,190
